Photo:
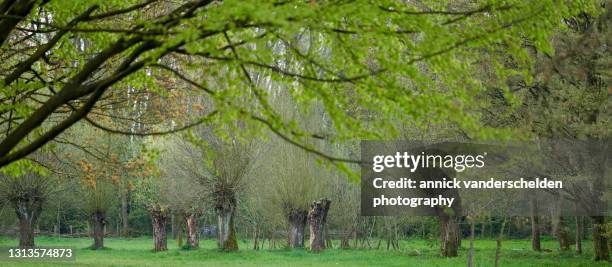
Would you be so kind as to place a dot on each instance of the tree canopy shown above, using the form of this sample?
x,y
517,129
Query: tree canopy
x,y
367,63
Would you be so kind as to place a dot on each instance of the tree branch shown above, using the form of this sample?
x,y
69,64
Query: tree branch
x,y
27,64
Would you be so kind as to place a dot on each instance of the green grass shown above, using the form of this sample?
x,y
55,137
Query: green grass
x,y
137,252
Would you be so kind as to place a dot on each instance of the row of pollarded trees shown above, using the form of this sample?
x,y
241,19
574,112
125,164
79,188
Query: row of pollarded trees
x,y
188,184
215,168
187,180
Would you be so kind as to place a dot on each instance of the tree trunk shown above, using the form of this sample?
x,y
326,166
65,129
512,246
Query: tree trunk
x,y
193,238
227,231
561,230
180,231
535,227
159,220
297,224
173,224
59,222
449,219
562,234
255,238
99,221
483,228
600,241
472,234
470,262
272,240
579,233
449,235
317,217
26,233
354,232
28,211
125,213
498,246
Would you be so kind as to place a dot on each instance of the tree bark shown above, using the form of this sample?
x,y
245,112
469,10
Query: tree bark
x,y
535,227
28,210
562,234
173,224
227,231
317,217
125,213
193,238
297,224
449,235
579,233
99,221
256,238
600,241
498,246
560,228
483,227
159,220
449,219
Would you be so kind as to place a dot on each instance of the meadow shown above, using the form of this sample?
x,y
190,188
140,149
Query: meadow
x,y
137,252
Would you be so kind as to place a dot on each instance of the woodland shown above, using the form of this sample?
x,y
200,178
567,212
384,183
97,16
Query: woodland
x,y
223,132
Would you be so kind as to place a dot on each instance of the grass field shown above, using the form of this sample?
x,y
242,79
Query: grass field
x,y
137,252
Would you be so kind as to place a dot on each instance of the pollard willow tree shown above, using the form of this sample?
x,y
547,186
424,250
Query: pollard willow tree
x,y
180,166
291,177
166,183
151,193
99,196
26,194
89,156
230,161
368,63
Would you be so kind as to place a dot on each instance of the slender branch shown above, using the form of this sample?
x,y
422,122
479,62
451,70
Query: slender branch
x,y
66,142
302,146
120,11
116,131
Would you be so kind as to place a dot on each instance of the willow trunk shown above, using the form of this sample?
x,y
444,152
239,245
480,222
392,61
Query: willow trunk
x,y
317,218
98,219
159,221
297,224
